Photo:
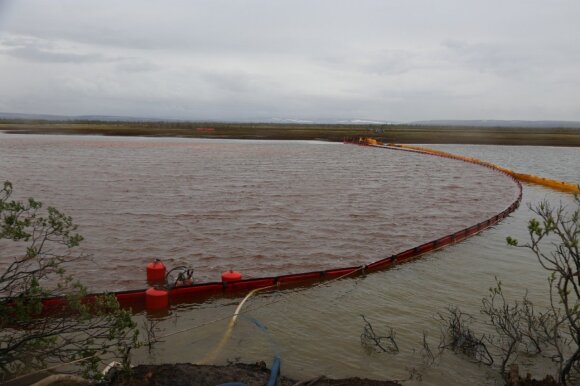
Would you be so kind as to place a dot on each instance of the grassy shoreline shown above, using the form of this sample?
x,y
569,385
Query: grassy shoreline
x,y
325,132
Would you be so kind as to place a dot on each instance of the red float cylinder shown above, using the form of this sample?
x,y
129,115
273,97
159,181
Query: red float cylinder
x,y
230,276
156,271
156,299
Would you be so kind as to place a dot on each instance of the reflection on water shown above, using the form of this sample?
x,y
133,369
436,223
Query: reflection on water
x,y
316,331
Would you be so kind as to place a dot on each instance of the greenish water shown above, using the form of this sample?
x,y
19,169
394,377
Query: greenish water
x,y
317,331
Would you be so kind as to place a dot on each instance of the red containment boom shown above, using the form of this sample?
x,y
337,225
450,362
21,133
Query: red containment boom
x,y
157,299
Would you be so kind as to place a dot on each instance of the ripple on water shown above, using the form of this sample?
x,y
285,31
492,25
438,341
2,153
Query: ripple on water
x,y
263,208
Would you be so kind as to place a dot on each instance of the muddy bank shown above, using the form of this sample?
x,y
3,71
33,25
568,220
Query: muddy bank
x,y
186,374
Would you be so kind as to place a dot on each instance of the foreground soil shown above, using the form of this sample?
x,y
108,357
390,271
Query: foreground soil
x,y
186,374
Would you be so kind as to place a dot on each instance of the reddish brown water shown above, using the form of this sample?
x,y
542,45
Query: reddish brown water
x,y
263,208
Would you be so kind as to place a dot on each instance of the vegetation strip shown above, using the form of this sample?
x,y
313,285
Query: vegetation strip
x,y
387,133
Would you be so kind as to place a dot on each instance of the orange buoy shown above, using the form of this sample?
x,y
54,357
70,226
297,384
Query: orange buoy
x,y
156,299
156,271
229,276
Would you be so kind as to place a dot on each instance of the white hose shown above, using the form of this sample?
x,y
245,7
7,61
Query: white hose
x,y
215,352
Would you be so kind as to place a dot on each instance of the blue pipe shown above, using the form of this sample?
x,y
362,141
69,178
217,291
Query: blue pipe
x,y
275,372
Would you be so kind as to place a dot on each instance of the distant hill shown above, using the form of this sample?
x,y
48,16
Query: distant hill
x,y
100,118
34,117
451,122
500,123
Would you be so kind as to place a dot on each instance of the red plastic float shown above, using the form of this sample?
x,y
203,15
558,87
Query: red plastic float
x,y
156,271
156,299
230,276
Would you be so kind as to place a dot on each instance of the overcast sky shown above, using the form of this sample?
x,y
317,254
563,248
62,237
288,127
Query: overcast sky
x,y
297,59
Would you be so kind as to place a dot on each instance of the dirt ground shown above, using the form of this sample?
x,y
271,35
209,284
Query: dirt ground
x,y
251,375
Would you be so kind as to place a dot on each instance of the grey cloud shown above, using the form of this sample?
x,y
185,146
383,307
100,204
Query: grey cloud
x,y
390,62
504,61
39,55
12,41
303,59
234,82
38,50
136,65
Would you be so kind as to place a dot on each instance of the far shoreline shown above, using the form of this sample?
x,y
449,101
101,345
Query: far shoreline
x,y
465,135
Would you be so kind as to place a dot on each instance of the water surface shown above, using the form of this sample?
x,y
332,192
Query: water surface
x,y
261,207
287,206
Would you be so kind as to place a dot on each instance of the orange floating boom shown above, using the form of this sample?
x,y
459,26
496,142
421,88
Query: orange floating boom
x,y
554,184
